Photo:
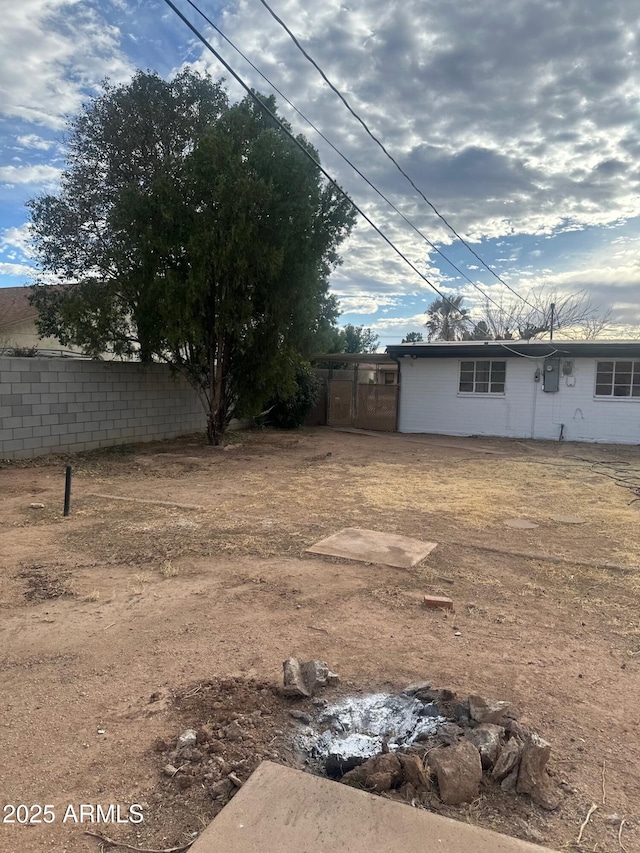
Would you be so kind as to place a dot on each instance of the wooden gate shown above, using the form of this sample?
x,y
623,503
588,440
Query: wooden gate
x,y
377,406
340,403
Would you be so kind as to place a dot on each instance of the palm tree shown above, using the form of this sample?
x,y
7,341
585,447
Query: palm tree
x,y
447,320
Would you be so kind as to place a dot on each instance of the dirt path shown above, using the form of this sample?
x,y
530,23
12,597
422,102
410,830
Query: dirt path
x,y
132,599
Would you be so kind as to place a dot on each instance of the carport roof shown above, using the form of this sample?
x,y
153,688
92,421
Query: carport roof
x,y
513,349
355,358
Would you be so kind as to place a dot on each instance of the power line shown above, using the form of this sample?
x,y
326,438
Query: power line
x,y
258,100
387,153
345,158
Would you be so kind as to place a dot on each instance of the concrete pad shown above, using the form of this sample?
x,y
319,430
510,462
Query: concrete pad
x,y
521,523
370,546
280,810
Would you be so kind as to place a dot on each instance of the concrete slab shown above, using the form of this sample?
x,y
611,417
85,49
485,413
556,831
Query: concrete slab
x,y
280,810
521,523
370,546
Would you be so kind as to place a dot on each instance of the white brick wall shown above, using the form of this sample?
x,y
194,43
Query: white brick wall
x,y
50,405
430,402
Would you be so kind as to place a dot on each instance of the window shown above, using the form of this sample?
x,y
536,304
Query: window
x,y
618,379
482,377
389,377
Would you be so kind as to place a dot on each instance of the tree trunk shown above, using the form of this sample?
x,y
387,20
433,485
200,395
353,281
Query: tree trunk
x,y
217,414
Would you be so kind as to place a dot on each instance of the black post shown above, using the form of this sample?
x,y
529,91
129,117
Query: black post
x,y
553,311
67,491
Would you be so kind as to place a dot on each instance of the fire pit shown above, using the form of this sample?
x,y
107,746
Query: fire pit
x,y
347,733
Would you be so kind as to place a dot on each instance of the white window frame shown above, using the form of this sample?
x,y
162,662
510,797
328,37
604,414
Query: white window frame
x,y
635,372
489,393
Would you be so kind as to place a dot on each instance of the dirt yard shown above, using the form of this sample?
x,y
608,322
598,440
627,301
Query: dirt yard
x,y
171,595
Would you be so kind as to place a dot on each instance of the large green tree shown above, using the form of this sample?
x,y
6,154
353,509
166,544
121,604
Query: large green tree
x,y
357,339
195,232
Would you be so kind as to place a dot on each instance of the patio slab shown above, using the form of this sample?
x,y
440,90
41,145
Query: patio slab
x,y
371,546
280,810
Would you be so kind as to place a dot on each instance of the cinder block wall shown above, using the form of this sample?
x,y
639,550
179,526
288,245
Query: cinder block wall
x,y
49,405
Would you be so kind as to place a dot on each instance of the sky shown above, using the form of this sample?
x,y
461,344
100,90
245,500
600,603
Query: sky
x,y
518,119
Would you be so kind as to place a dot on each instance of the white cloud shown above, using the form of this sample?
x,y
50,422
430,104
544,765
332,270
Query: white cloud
x,y
15,269
32,140
29,174
364,303
51,53
17,238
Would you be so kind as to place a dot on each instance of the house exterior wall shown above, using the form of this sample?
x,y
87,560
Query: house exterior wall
x,y
25,335
49,405
430,402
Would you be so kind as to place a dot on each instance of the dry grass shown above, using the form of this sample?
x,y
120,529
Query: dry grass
x,y
169,570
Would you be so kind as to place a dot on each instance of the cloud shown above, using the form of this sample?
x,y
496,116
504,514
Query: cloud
x,y
32,140
29,174
17,238
15,269
51,53
515,119
364,303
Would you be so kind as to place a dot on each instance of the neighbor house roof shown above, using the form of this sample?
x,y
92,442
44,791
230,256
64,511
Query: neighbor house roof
x,y
15,307
513,349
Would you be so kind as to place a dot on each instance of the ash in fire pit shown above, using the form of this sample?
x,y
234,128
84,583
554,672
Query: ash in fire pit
x,y
358,728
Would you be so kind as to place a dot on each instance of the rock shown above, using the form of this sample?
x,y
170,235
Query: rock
x,y
532,776
237,782
446,695
461,712
188,737
513,727
294,684
378,774
233,731
36,506
316,673
300,715
414,773
459,771
416,687
487,738
221,789
510,781
184,782
485,711
449,733
613,819
169,770
535,754
303,679
508,760
204,734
